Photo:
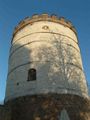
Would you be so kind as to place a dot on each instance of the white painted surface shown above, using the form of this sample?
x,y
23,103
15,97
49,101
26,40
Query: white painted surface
x,y
54,53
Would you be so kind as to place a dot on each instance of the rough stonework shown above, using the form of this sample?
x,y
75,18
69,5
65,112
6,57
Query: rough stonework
x,y
5,112
49,107
46,107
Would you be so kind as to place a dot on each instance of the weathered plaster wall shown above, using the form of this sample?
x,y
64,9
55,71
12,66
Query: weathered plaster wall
x,y
52,49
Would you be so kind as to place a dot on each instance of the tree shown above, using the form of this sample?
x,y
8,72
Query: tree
x,y
64,64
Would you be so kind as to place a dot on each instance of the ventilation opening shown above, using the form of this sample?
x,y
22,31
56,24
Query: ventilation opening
x,y
31,74
17,84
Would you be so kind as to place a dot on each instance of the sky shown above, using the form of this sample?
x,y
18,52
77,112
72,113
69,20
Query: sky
x,y
13,11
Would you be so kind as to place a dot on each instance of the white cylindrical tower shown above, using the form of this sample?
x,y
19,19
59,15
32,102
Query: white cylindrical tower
x,y
45,58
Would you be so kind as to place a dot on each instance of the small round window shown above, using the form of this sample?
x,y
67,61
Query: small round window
x,y
45,27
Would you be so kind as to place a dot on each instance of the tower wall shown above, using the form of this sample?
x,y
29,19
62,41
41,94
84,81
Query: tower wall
x,y
49,45
50,107
52,49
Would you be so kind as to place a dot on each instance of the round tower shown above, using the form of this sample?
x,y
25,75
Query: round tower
x,y
45,73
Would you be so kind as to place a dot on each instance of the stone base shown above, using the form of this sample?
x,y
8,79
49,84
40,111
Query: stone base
x,y
5,112
49,107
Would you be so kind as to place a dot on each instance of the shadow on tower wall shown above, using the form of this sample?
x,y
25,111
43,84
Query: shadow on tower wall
x,y
61,66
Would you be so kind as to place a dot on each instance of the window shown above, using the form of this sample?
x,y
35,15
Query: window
x,y
45,27
31,74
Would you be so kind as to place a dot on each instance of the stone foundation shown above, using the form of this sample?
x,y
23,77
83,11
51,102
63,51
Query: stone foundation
x,y
5,112
49,107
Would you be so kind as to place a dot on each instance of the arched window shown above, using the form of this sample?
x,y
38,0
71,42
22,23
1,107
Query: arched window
x,y
31,74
